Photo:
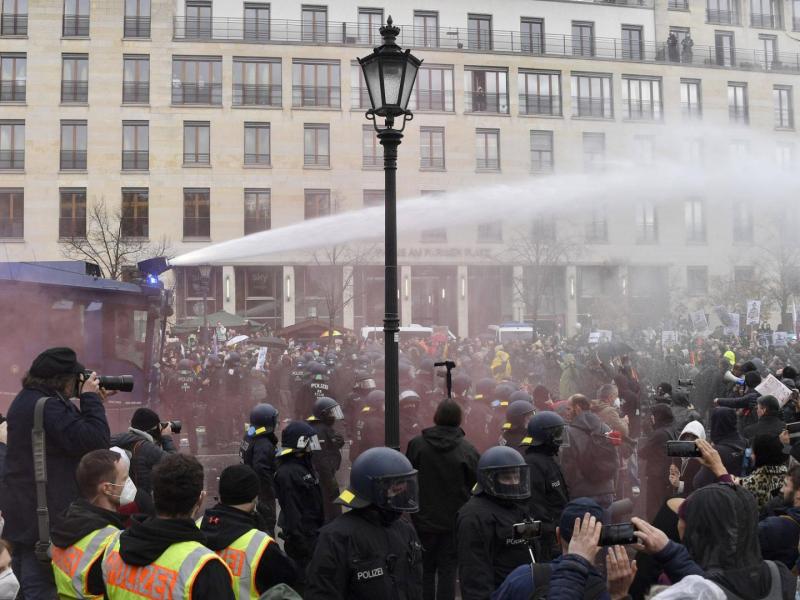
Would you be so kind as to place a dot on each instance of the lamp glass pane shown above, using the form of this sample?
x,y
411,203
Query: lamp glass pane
x,y
392,78
372,77
408,85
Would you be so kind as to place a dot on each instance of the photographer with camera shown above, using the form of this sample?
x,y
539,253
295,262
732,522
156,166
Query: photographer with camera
x,y
69,432
148,440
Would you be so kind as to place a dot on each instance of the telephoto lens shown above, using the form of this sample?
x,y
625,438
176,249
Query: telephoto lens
x,y
119,383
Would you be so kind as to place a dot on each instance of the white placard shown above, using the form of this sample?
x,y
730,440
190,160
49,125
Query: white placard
x,y
669,339
733,325
262,358
780,339
753,312
772,386
699,320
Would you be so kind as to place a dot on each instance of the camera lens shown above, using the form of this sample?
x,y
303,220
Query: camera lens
x,y
120,383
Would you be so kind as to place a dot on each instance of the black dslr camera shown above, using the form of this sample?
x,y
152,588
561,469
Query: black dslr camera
x,y
118,383
176,426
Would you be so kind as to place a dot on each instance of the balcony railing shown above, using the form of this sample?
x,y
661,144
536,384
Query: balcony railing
x,y
137,27
534,104
738,115
256,30
261,159
14,24
12,159
196,93
246,94
488,164
76,26
317,160
196,158
598,108
678,5
74,91
641,110
770,21
316,96
12,91
485,102
136,92
454,38
12,228
73,159
134,227
432,162
196,227
135,160
434,100
71,228
784,119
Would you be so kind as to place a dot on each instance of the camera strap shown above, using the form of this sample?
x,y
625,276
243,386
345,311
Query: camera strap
x,y
40,471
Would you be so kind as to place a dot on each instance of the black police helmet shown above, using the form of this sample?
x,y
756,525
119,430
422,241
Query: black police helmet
x,y
503,392
461,383
485,388
503,473
317,368
376,398
382,477
263,419
545,428
185,364
326,408
518,408
234,358
298,437
520,395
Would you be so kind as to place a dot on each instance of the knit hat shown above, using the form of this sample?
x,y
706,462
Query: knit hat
x,y
576,509
144,419
752,379
238,484
56,361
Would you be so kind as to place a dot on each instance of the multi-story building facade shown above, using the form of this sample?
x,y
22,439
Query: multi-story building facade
x,y
201,121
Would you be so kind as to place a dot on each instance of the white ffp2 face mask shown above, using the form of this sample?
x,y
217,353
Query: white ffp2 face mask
x,y
9,586
617,402
128,493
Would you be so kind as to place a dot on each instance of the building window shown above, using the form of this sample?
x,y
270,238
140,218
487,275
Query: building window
x,y
594,151
695,221
135,146
431,148
743,276
487,149
766,13
723,12
134,222
316,145
641,99
737,103
433,236
582,38
373,198
196,213
372,151
782,99
73,145
691,105
14,17
591,96
541,151
256,22
370,21
769,51
257,144
136,79
13,77
358,88
317,204
315,23
197,80
479,32
316,84
678,5
724,48
539,92
12,145
426,29
257,210
646,223
76,18
256,82
491,232
12,213
434,89
697,281
72,213
75,78
597,227
742,223
632,42
485,91
198,19
795,15
137,19
532,34
196,143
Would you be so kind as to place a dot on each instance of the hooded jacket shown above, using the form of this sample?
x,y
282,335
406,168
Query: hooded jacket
x,y
653,449
223,525
445,460
147,539
721,544
577,454
689,467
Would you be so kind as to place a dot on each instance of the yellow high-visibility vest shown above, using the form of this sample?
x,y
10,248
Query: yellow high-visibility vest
x,y
71,565
242,558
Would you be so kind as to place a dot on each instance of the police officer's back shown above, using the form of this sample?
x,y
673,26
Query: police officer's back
x,y
410,404
316,387
328,458
370,553
369,424
487,548
257,450
231,529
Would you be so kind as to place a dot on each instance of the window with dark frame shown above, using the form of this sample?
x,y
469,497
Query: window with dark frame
x,y
722,12
257,144
691,99
724,48
738,110
583,38
257,210
431,148
12,145
697,281
135,79
490,232
370,21
479,32
541,151
487,149
594,151
632,42
317,204
316,145
433,89
198,20
196,213
12,213
135,145
197,80
485,90
73,145
13,77
591,96
766,13
72,213
532,34
256,21
14,18
256,81
134,222
597,227
641,98
314,23
316,84
784,112
75,78
539,92
76,18
695,221
372,151
426,29
196,143
646,223
136,22
743,225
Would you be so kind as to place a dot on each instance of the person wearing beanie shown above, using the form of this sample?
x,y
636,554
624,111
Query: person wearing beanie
x,y
232,530
746,402
70,431
147,441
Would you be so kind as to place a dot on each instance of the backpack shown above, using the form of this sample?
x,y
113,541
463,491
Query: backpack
x,y
604,462
542,572
775,588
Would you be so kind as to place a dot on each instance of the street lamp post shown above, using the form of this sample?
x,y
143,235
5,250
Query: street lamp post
x,y
389,73
205,274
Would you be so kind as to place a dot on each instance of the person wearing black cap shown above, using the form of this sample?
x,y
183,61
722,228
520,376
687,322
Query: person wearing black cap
x,y
148,441
70,432
231,529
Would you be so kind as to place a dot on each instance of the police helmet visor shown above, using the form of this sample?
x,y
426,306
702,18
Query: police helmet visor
x,y
366,384
308,443
558,435
334,412
512,483
399,493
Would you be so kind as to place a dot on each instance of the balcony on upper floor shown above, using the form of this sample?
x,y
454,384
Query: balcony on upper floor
x,y
14,24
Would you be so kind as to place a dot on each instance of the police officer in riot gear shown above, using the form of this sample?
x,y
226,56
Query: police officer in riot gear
x,y
369,424
297,382
488,550
328,459
549,492
409,416
316,387
184,399
370,553
362,386
518,413
257,450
